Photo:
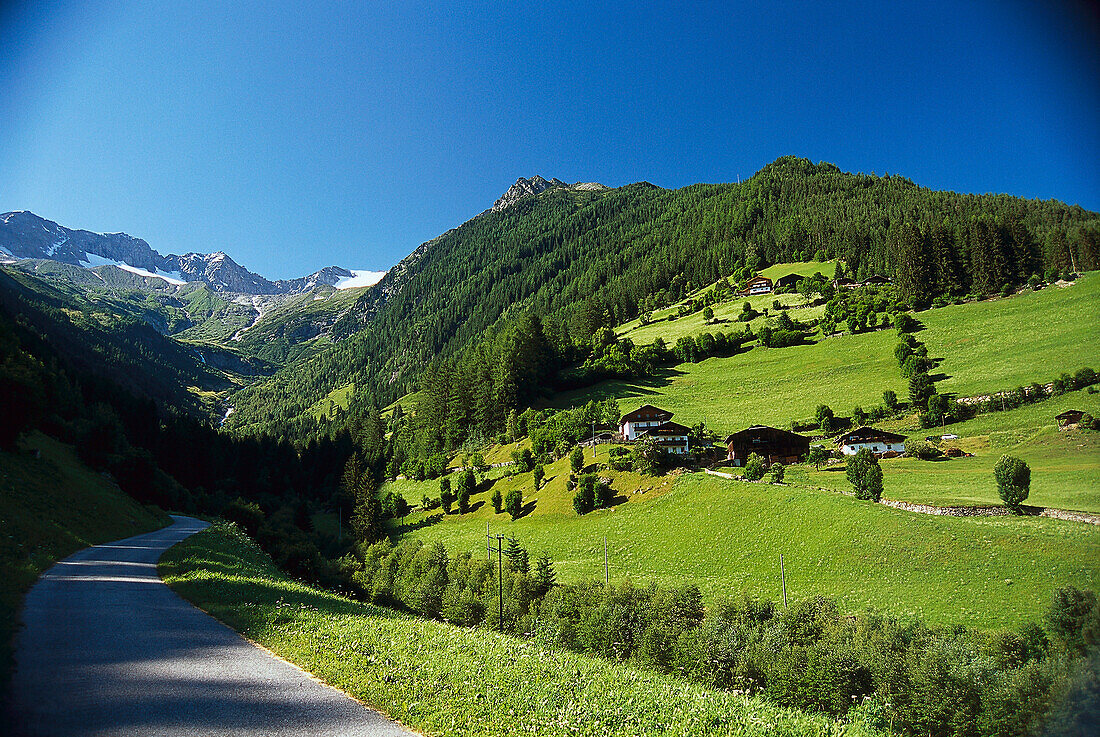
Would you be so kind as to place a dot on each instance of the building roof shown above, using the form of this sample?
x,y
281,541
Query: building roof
x,y
758,278
668,428
647,412
1070,414
772,433
876,279
866,434
789,279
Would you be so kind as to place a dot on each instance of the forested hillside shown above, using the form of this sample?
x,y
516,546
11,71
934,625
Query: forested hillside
x,y
581,260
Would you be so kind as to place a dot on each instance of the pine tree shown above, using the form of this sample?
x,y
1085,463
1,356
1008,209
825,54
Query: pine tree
x,y
517,556
544,577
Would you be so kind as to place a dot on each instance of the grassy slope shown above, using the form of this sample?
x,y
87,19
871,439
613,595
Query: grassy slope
x,y
442,679
51,507
1065,465
727,535
984,347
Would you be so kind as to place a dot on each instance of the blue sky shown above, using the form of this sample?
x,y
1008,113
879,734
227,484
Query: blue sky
x,y
297,136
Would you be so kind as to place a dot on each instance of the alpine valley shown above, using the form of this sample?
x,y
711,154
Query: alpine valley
x,y
365,431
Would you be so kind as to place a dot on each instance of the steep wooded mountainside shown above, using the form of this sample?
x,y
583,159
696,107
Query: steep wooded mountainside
x,y
582,259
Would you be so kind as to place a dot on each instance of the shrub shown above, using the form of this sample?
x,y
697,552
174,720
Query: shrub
x,y
513,503
584,500
538,473
524,459
778,471
576,459
1013,481
923,450
754,468
247,515
906,323
496,500
865,475
1073,617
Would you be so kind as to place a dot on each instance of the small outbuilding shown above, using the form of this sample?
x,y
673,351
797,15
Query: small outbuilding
x,y
875,280
770,443
1069,418
878,441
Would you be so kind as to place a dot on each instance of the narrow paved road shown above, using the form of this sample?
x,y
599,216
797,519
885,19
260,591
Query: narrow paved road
x,y
108,649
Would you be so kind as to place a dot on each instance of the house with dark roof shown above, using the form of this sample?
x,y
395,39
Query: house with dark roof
x,y
875,280
878,441
789,280
770,443
757,285
672,437
644,418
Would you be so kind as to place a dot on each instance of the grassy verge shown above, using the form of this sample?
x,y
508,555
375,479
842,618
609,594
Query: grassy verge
x,y
442,679
50,507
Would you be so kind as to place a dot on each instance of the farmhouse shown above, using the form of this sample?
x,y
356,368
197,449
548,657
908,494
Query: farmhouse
x,y
671,436
644,418
879,441
757,285
845,283
1069,418
770,443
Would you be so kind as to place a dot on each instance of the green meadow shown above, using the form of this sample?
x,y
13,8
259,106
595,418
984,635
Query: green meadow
x,y
979,347
726,536
442,679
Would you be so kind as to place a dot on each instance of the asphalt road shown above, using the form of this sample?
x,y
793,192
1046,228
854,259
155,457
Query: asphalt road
x,y
108,649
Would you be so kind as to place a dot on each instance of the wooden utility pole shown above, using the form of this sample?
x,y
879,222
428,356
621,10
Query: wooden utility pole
x,y
500,578
783,573
605,576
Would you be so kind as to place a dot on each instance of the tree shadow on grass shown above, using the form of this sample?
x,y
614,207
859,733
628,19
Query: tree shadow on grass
x,y
406,527
527,508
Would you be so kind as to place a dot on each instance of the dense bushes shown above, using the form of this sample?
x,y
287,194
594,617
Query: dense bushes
x,y
898,674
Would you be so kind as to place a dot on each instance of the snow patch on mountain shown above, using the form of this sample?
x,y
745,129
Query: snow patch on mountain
x,y
92,260
360,278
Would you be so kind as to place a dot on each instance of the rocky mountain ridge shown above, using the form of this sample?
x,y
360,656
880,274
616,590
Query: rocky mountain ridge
x,y
24,235
536,185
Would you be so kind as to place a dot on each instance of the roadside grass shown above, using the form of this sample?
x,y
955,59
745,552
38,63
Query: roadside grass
x,y
51,507
726,536
442,679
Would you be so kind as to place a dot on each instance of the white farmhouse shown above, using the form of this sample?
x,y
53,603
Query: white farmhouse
x,y
642,419
879,441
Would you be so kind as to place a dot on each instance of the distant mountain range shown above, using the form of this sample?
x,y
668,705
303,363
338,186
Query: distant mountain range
x,y
24,235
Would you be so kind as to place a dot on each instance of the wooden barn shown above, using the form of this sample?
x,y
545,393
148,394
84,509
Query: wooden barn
x,y
1069,418
788,281
770,443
